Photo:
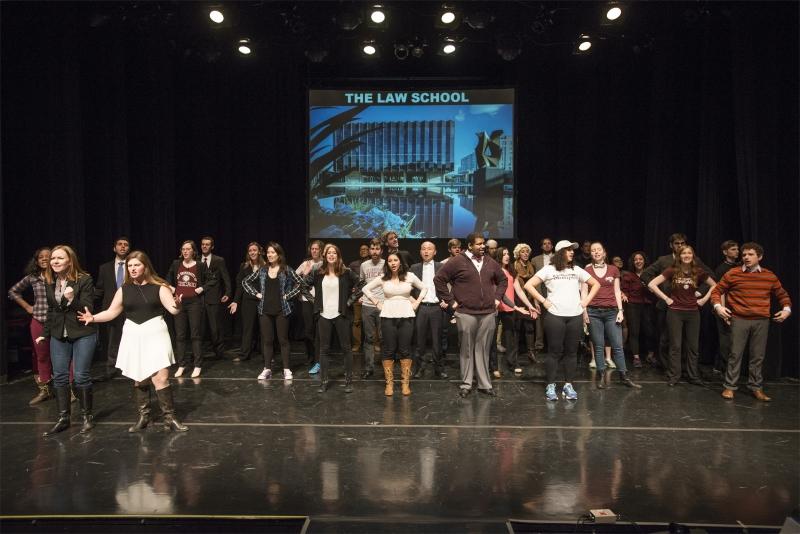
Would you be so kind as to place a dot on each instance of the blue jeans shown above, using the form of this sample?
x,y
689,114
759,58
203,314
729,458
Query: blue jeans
x,y
603,325
80,351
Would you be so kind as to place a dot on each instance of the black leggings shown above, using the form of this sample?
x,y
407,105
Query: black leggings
x,y
268,324
639,318
310,331
563,336
397,333
509,337
326,327
190,322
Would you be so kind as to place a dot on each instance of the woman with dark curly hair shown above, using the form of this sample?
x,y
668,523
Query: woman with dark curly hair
x,y
638,303
34,279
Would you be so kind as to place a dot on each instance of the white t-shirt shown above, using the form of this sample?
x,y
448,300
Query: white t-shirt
x,y
564,289
330,296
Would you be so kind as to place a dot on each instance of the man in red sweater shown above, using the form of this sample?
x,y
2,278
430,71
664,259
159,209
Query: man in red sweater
x,y
748,290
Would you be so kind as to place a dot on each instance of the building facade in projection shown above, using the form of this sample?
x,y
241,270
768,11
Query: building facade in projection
x,y
408,151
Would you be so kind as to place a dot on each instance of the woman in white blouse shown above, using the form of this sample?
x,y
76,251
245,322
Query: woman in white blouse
x,y
397,317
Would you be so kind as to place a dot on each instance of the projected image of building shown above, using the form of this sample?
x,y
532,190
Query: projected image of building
x,y
398,166
410,151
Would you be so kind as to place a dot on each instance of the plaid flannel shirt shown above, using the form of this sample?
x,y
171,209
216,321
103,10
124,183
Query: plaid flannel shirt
x,y
284,284
39,295
302,286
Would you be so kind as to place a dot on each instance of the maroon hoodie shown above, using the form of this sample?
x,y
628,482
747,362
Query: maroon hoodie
x,y
475,292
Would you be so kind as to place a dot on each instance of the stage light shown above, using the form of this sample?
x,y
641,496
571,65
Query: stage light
x,y
377,16
245,47
401,51
613,13
369,48
348,20
583,45
216,16
448,46
509,47
479,20
448,17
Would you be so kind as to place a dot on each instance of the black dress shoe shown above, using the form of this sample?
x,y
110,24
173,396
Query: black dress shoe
x,y
366,373
464,392
698,382
489,392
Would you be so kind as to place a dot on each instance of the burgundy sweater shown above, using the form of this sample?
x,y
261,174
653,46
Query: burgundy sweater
x,y
475,292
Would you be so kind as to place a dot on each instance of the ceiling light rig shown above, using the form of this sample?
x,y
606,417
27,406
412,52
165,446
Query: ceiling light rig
x,y
216,16
369,48
583,44
377,14
244,47
448,46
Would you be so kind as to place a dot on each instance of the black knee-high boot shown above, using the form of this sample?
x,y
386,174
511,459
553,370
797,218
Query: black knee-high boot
x,y
168,409
142,396
64,410
85,398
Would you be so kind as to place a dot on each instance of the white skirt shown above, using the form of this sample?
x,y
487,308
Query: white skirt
x,y
144,348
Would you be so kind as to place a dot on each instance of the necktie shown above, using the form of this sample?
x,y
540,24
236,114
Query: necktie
x,y
120,275
205,260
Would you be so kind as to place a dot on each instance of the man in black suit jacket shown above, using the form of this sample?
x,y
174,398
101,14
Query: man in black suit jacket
x,y
110,277
218,293
430,313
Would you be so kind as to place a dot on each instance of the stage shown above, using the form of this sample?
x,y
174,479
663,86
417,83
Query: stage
x,y
434,461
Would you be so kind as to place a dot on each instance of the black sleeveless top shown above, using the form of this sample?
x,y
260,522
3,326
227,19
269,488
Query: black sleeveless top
x,y
141,303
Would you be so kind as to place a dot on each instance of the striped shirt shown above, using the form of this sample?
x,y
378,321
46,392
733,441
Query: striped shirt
x,y
39,295
748,292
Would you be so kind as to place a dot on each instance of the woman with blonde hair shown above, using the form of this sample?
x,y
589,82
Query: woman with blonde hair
x,y
522,271
69,289
145,348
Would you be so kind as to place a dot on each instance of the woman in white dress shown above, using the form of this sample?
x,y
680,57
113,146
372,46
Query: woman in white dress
x,y
397,317
145,349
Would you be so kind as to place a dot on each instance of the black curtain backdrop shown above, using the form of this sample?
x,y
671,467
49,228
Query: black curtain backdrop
x,y
118,130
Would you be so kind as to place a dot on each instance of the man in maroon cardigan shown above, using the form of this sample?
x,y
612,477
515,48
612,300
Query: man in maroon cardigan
x,y
477,285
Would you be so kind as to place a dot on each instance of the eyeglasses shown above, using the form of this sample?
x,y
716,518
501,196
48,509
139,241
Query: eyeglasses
x,y
679,242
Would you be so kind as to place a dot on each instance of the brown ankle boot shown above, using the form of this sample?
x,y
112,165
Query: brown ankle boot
x,y
405,373
44,392
388,373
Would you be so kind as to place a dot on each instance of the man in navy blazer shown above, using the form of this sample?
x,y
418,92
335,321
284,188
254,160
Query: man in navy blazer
x,y
110,277
430,313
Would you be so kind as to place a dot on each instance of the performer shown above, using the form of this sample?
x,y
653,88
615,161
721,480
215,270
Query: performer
x,y
274,282
253,261
563,322
218,293
35,279
109,278
333,285
605,315
506,313
392,244
191,280
310,332
370,314
683,316
355,266
145,351
638,304
477,286
397,317
747,310
69,289
429,314
730,254
524,269
539,262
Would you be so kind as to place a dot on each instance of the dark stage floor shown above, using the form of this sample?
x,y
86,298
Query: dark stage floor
x,y
279,448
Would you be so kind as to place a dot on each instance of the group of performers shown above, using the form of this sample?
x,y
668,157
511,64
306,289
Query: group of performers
x,y
547,302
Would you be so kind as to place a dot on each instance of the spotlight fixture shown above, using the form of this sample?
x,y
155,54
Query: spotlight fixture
x,y
377,16
612,13
369,49
417,46
401,51
583,45
478,20
448,46
216,16
245,47
509,47
448,17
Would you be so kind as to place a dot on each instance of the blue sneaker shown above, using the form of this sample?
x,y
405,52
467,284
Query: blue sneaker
x,y
314,370
550,392
569,392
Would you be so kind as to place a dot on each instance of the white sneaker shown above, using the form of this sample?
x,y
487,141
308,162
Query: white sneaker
x,y
592,364
266,373
179,372
196,372
287,374
611,364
